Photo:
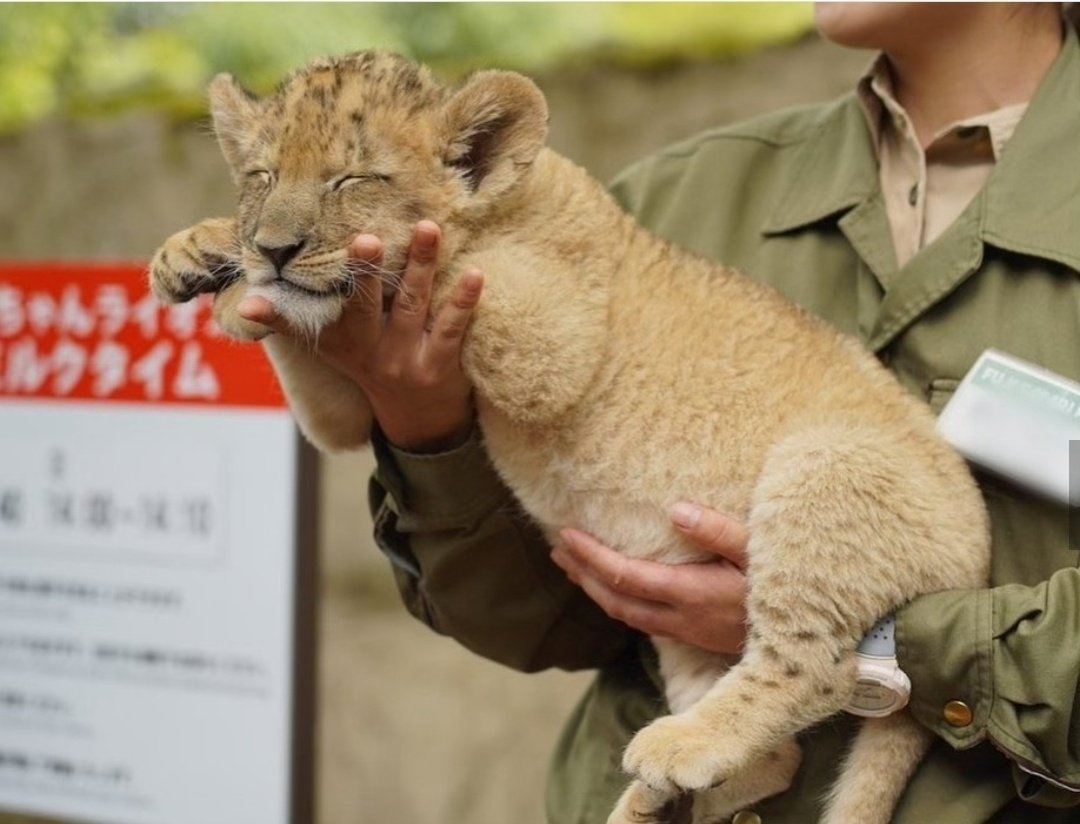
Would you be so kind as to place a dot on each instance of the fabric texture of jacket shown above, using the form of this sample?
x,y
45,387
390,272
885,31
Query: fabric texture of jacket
x,y
793,200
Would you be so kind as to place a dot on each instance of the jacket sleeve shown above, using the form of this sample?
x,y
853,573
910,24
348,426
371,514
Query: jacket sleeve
x,y
1012,655
470,564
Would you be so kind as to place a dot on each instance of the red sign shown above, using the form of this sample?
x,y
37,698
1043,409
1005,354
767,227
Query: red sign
x,y
93,332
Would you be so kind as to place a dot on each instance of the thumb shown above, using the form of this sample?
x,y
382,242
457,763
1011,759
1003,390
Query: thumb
x,y
712,531
260,310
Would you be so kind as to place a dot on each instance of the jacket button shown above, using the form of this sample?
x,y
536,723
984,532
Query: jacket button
x,y
958,714
746,817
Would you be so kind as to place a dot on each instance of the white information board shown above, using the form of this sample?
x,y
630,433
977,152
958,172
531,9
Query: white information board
x,y
154,655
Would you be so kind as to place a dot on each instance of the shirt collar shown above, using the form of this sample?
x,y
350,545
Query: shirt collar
x,y
983,134
1031,203
874,92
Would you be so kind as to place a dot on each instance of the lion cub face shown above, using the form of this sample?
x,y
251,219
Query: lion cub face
x,y
365,144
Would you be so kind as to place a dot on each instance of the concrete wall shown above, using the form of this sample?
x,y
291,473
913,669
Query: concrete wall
x,y
413,729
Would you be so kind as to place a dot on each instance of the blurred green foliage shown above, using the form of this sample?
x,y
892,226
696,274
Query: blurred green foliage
x,y
77,58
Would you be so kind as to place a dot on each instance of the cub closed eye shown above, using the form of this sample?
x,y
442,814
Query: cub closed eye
x,y
365,177
261,175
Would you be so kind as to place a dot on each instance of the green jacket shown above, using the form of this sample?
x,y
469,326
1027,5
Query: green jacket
x,y
793,200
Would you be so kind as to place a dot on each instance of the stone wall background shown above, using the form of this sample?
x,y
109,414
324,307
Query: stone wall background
x,y
412,728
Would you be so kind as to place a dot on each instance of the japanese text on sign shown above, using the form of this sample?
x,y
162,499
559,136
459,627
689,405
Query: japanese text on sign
x,y
100,335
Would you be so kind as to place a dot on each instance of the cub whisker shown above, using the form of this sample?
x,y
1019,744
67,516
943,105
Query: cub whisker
x,y
362,271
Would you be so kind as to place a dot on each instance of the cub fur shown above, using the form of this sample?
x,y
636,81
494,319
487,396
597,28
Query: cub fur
x,y
614,376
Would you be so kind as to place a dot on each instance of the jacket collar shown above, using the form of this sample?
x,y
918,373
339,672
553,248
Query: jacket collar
x,y
837,169
1030,204
1032,201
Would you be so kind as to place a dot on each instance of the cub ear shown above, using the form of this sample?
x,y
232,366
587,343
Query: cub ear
x,y
236,115
495,125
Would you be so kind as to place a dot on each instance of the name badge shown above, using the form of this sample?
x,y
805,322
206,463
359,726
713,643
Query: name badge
x,y
1016,420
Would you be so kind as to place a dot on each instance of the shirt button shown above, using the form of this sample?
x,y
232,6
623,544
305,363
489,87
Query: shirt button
x,y
958,714
913,195
746,817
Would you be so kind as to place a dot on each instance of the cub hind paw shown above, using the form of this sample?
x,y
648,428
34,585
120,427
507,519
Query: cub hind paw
x,y
641,804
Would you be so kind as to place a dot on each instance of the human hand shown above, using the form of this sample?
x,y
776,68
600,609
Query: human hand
x,y
703,604
408,364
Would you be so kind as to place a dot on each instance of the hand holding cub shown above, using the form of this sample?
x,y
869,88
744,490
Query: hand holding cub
x,y
702,604
407,363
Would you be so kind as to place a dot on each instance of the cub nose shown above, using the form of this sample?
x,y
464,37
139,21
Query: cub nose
x,y
279,255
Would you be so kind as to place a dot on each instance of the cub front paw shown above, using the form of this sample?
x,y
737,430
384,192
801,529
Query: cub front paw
x,y
202,258
680,754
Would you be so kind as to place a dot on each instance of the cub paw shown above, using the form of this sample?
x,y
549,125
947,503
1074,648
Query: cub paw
x,y
641,804
680,754
202,258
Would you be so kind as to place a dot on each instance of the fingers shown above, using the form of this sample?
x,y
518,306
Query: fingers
x,y
651,617
448,328
367,252
357,331
702,604
628,576
407,364
409,313
260,310
712,531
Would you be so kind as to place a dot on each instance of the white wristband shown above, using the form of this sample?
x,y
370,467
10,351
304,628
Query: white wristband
x,y
881,687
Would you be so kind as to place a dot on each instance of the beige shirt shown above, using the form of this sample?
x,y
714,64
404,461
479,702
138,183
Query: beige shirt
x,y
926,191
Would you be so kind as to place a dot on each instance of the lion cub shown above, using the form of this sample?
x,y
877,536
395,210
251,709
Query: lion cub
x,y
614,376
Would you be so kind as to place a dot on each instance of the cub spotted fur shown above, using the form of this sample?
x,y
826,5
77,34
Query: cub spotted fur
x,y
614,376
